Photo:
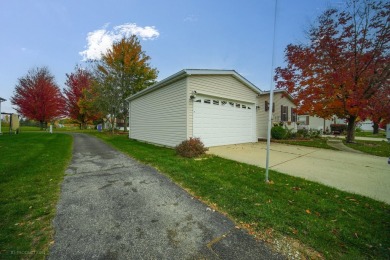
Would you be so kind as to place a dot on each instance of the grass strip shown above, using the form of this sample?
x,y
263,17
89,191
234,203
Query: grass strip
x,y
381,148
337,224
315,142
32,166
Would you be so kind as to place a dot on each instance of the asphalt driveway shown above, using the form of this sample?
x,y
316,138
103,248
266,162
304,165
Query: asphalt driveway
x,y
112,207
363,174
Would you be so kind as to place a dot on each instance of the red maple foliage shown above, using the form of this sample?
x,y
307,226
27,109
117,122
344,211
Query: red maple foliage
x,y
79,105
344,67
38,97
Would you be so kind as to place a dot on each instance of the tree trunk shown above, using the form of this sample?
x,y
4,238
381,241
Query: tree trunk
x,y
350,138
375,127
41,124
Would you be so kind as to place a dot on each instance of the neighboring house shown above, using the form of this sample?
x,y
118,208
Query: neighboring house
x,y
314,122
366,125
219,106
283,112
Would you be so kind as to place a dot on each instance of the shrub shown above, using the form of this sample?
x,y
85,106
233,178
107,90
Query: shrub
x,y
303,133
190,148
338,128
291,133
315,133
278,132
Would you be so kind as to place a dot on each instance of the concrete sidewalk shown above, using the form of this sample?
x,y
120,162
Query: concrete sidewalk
x,y
354,172
112,207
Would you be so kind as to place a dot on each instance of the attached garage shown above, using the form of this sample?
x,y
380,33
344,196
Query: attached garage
x,y
220,121
218,106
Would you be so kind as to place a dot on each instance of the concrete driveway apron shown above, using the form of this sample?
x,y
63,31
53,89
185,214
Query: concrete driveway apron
x,y
363,174
112,207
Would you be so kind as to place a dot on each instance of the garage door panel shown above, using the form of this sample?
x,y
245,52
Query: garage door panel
x,y
223,121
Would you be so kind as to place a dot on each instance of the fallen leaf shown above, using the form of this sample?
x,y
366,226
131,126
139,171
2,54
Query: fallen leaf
x,y
308,211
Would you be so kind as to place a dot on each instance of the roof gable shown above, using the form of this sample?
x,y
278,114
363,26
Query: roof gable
x,y
188,72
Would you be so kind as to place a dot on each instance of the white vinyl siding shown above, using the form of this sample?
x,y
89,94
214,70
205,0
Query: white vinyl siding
x,y
160,116
225,86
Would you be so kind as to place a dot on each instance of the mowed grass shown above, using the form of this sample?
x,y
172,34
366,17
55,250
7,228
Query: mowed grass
x,y
32,166
315,142
381,148
381,134
337,224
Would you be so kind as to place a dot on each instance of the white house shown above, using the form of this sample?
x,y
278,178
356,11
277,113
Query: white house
x,y
314,122
218,106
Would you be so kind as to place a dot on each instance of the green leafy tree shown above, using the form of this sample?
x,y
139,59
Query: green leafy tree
x,y
123,71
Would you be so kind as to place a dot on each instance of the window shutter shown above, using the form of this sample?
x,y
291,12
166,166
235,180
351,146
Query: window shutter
x,y
266,105
286,109
273,107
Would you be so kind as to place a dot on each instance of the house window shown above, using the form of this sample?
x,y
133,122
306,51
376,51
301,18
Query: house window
x,y
293,115
231,104
223,102
238,105
198,100
284,113
207,101
215,102
267,106
243,106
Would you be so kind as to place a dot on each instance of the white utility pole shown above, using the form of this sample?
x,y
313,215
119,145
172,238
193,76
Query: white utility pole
x,y
271,98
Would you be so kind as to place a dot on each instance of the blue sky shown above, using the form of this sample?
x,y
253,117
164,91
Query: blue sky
x,y
176,34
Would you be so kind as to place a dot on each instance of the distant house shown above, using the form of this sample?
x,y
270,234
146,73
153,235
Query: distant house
x,y
283,111
366,125
218,106
314,123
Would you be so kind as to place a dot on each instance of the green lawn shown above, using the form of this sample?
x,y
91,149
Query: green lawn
x,y
381,134
315,142
381,148
32,167
337,224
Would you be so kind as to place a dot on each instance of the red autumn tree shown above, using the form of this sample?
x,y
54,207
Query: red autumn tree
x,y
79,105
345,64
378,109
37,96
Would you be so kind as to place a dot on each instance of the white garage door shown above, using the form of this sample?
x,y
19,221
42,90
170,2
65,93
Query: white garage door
x,y
219,121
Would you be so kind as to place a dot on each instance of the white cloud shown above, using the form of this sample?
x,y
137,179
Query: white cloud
x,y
101,40
191,18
